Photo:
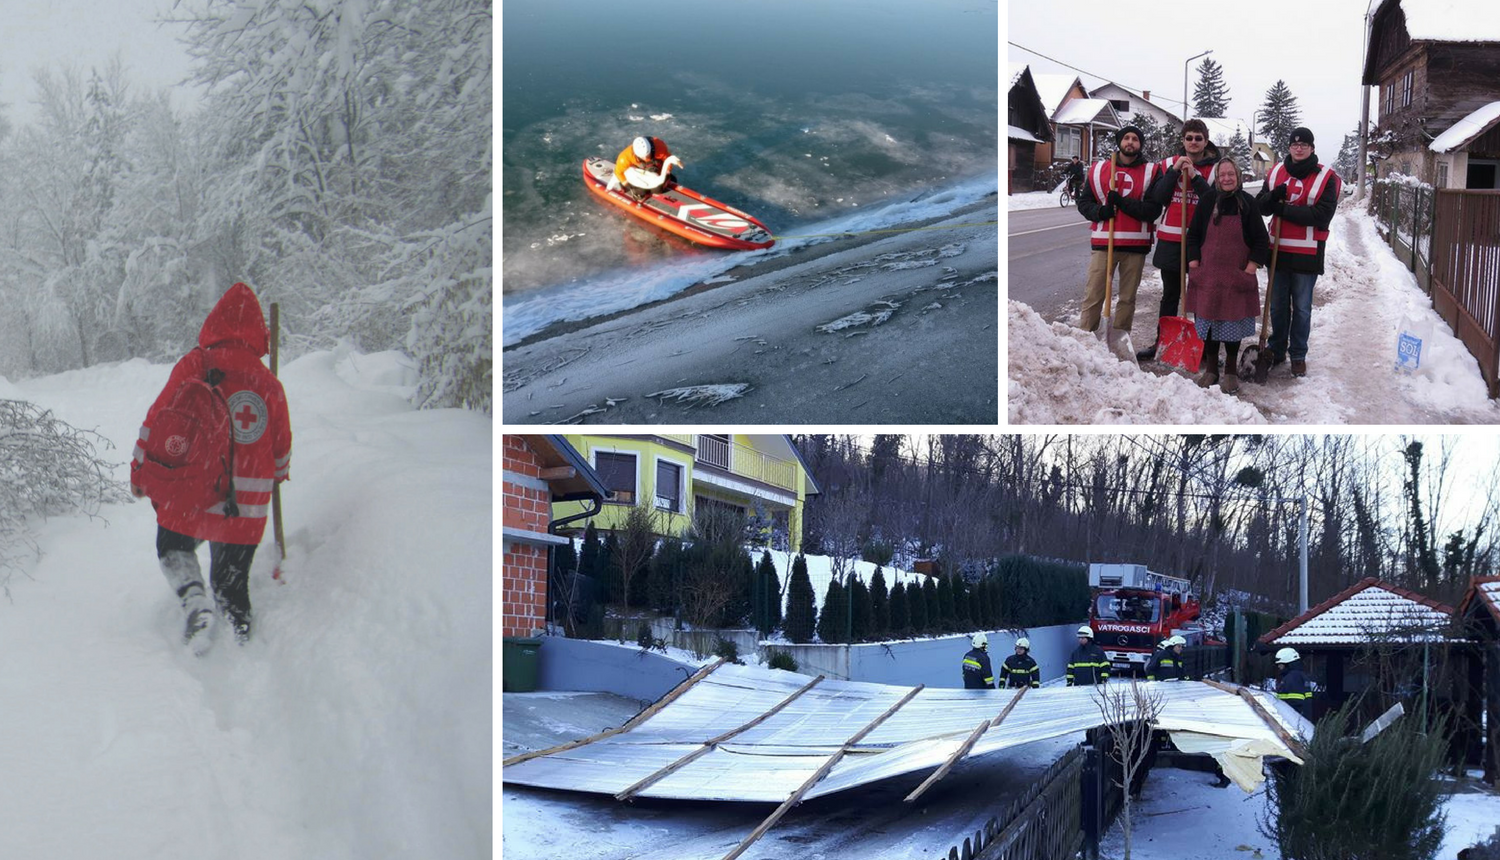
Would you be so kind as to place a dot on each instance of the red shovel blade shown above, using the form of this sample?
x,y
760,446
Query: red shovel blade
x,y
1180,345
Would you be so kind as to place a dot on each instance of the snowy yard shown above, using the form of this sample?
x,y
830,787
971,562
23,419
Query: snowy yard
x,y
356,723
1363,300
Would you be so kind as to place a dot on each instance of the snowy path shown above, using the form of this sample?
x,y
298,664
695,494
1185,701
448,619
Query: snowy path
x,y
356,724
1056,375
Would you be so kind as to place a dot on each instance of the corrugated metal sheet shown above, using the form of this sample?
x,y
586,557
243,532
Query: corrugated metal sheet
x,y
1370,615
770,761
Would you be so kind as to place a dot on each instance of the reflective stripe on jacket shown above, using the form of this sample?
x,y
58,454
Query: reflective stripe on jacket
x,y
978,674
1022,671
1088,665
1165,665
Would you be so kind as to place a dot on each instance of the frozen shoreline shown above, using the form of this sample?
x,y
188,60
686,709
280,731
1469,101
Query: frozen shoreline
x,y
882,328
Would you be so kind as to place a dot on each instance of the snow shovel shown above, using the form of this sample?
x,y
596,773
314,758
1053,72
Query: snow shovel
x,y
1180,344
1255,359
1118,342
276,488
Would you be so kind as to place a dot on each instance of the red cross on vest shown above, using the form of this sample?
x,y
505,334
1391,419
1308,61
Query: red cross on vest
x,y
1299,238
247,417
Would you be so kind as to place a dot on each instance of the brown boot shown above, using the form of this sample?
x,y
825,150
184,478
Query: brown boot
x,y
1231,381
1209,375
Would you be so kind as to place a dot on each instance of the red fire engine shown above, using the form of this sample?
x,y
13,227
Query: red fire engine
x,y
1134,609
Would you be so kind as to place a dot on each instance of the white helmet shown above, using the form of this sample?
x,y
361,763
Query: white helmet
x,y
1287,655
980,640
1176,640
1023,642
643,147
1086,630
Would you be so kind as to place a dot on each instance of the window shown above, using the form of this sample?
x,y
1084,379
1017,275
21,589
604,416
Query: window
x,y
1069,143
617,471
1390,99
1138,609
669,486
1442,175
1406,84
1121,105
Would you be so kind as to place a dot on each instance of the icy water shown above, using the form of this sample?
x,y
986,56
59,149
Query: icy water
x,y
834,115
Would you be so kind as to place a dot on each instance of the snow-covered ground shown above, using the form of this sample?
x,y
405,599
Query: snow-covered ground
x,y
1180,814
358,721
1033,200
1363,300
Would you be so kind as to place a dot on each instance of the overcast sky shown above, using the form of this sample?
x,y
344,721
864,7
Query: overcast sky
x,y
85,34
1317,47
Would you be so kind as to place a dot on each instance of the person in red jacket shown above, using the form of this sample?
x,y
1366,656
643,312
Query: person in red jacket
x,y
230,346
643,168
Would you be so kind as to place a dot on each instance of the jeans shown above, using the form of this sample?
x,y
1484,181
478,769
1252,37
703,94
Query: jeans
x,y
1291,313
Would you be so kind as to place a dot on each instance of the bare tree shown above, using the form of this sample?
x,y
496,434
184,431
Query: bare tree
x,y
1129,712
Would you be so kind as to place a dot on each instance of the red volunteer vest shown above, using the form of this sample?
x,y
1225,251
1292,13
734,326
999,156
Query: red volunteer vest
x,y
1130,181
1297,238
1171,222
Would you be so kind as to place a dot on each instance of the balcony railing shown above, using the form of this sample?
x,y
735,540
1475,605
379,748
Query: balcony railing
x,y
747,462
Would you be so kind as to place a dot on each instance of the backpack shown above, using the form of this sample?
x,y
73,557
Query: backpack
x,y
189,458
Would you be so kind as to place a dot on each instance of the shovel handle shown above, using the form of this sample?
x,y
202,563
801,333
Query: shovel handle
x,y
1187,218
1265,314
1109,253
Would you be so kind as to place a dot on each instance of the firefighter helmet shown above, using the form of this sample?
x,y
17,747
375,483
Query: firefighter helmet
x,y
980,640
1287,655
1086,630
1176,640
1023,642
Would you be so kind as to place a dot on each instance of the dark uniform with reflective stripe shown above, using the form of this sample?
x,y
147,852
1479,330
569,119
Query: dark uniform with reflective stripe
x,y
1165,665
978,675
1292,687
1088,665
1022,671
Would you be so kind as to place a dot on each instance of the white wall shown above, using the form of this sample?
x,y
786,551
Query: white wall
x,y
934,662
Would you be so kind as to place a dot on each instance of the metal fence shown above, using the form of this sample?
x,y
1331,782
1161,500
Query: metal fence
x,y
1450,239
1042,824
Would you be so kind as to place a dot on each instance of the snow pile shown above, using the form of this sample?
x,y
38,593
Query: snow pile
x,y
1033,200
357,722
1060,374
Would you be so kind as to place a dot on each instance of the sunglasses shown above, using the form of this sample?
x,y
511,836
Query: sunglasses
x,y
1193,137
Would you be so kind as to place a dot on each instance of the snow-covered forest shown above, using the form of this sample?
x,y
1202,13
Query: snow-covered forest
x,y
1421,512
338,162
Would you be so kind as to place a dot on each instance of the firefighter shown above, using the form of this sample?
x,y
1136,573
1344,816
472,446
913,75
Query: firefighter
x,y
1020,669
1292,685
978,675
1166,664
1088,664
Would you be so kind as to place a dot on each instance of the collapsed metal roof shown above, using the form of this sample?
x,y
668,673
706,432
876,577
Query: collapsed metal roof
x,y
738,733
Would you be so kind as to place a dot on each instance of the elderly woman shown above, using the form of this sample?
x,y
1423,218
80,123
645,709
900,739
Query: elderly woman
x,y
1226,243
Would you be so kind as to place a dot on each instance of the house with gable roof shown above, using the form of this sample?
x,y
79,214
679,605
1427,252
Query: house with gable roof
x,y
1029,124
1479,610
1437,66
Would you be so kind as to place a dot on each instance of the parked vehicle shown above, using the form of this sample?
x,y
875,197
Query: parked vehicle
x,y
1133,609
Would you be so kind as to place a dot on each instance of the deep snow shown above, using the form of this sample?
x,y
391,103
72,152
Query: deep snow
x,y
358,721
1360,304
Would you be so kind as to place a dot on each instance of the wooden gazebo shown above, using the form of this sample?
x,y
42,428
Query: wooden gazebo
x,y
1479,611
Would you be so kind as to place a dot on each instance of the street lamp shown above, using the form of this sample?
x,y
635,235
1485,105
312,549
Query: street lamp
x,y
1184,82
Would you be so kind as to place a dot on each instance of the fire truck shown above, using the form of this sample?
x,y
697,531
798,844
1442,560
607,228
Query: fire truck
x,y
1133,609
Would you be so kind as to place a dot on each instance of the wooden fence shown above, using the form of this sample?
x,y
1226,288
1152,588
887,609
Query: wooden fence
x,y
1450,239
1042,824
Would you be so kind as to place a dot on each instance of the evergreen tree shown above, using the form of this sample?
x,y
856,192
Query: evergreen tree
x,y
997,601
947,614
981,595
916,608
864,610
801,604
1150,137
880,605
1278,116
1347,163
1211,95
900,617
765,596
934,606
1238,148
666,576
963,615
833,621
588,559
1167,139
564,559
609,563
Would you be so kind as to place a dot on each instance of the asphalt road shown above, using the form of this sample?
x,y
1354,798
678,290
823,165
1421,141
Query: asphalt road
x,y
1049,260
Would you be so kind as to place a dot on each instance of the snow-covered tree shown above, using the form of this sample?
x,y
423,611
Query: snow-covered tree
x,y
1278,116
1211,94
1347,162
1238,148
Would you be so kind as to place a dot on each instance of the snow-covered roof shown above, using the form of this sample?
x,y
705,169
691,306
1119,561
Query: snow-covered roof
x,y
1016,71
1054,88
1368,611
1465,130
1080,111
1135,95
1013,133
1484,591
1451,20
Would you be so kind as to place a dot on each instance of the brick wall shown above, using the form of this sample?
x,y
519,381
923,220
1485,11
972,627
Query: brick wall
x,y
523,569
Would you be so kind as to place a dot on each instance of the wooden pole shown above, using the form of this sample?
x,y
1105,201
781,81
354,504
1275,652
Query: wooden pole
x,y
630,724
1260,710
817,777
963,750
276,526
713,742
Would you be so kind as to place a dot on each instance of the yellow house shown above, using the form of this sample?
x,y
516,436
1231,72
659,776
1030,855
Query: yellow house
x,y
678,474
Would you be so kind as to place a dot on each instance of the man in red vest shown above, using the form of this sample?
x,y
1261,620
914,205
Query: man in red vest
x,y
1132,215
233,338
1197,156
1300,195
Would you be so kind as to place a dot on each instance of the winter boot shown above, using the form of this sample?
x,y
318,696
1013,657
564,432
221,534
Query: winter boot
x,y
1230,383
1299,367
198,634
1209,375
1149,352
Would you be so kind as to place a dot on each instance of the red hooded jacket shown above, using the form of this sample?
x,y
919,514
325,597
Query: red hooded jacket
x,y
233,339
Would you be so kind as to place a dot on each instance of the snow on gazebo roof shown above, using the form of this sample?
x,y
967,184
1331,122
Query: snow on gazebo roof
x,y
1485,591
1369,610
1463,132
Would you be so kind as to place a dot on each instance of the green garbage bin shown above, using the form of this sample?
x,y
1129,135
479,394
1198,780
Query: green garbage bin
x,y
519,666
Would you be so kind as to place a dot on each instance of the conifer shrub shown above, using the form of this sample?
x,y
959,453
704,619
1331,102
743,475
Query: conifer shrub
x,y
782,660
916,609
833,621
1351,801
934,607
801,604
863,610
727,649
900,616
880,605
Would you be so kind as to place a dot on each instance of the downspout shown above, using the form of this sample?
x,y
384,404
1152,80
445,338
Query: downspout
x,y
594,504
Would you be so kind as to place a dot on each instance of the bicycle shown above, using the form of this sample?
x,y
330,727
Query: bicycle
x,y
1068,196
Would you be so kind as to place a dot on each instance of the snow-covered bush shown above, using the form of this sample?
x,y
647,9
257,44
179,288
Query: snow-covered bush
x,y
47,467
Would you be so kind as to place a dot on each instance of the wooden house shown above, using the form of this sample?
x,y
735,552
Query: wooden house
x,y
1480,613
1029,125
1437,66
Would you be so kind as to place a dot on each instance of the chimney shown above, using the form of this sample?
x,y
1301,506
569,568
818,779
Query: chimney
x,y
1146,94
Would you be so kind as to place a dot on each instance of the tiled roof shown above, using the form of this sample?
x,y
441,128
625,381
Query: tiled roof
x,y
1486,591
1366,611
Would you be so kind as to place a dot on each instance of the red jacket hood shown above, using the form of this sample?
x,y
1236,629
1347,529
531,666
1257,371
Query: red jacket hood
x,y
237,321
